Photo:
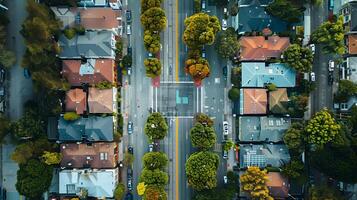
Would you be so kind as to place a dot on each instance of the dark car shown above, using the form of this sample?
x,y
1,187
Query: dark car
x,y
130,149
2,76
130,128
225,72
27,73
128,15
130,51
203,52
129,196
330,78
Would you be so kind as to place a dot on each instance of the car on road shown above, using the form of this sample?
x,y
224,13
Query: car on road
x,y
225,179
27,73
2,75
2,91
312,48
130,149
130,127
128,15
128,29
224,24
129,196
225,72
330,78
203,52
151,147
225,11
129,71
130,186
225,128
129,50
203,5
225,154
331,65
130,178
150,55
312,76
170,70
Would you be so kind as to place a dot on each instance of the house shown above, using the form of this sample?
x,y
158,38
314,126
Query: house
x,y
253,101
349,13
347,106
253,17
89,18
352,44
349,69
278,101
278,186
76,101
274,155
89,129
102,101
98,183
91,71
259,74
93,3
260,48
259,129
93,44
98,155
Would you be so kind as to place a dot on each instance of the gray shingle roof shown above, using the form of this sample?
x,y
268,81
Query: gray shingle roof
x,y
93,44
92,128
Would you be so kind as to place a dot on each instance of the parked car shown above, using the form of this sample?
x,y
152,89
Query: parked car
x,y
128,15
150,55
225,128
2,76
225,179
130,149
130,187
129,51
128,29
203,52
312,48
312,76
130,127
129,71
224,24
27,73
203,5
2,91
225,154
225,11
129,196
225,72
151,147
330,78
331,65
170,69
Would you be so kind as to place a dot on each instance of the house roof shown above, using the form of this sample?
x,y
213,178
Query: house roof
x,y
352,44
93,3
253,17
99,184
92,128
52,133
96,155
274,155
353,23
258,48
93,44
254,101
278,100
101,101
352,68
92,72
76,101
257,74
278,185
269,129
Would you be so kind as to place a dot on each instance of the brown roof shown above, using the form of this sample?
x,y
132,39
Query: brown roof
x,y
277,185
76,101
258,48
92,72
352,44
95,155
278,100
100,101
99,18
255,101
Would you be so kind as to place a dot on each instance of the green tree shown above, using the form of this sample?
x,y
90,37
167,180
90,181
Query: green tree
x,y
346,89
119,191
229,144
151,41
197,6
51,158
155,160
28,126
203,119
203,137
33,179
297,105
71,116
299,58
154,177
294,137
253,181
4,127
285,10
200,29
23,152
153,67
156,127
325,192
201,170
234,9
322,128
154,193
227,44
271,87
294,169
234,94
330,35
147,4
128,158
154,19
197,68
7,57
127,61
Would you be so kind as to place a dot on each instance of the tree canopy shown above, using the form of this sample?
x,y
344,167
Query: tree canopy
x,y
28,126
286,10
203,137
155,193
293,169
294,137
197,68
346,89
119,191
227,44
325,192
200,29
155,160
330,35
151,41
7,57
322,128
154,177
234,94
33,179
156,126
253,181
147,4
299,58
153,67
201,170
203,119
4,127
154,19
51,158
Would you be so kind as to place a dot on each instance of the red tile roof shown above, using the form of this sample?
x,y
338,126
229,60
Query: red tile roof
x,y
352,44
258,48
278,185
103,71
255,101
100,101
76,101
99,18
96,155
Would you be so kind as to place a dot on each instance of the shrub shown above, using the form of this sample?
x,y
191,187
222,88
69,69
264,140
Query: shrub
x,y
70,116
104,85
69,33
271,87
233,94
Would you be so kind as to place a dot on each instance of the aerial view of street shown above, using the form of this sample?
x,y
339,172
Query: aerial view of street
x,y
178,99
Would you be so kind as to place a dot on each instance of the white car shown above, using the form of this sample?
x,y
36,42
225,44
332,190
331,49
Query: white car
x,y
128,29
312,76
225,179
331,65
151,147
312,47
225,11
224,24
225,128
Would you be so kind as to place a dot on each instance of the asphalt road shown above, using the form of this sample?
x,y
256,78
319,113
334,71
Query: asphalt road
x,y
322,96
